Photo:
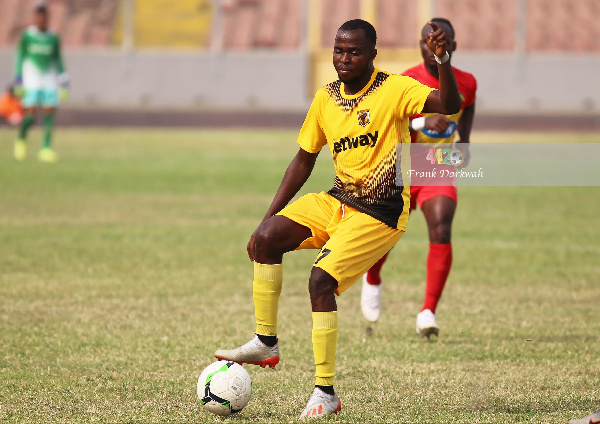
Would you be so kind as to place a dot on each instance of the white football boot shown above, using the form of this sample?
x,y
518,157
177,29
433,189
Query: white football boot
x,y
321,404
370,300
426,325
590,419
254,352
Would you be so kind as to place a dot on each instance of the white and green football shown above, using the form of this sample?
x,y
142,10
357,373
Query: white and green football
x,y
224,388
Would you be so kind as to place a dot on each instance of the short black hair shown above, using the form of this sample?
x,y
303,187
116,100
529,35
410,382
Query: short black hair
x,y
369,30
41,9
444,21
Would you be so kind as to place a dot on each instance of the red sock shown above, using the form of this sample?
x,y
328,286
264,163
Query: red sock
x,y
374,273
439,262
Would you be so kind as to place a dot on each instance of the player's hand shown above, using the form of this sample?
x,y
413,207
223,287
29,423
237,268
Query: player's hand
x,y
437,123
250,247
18,88
436,40
63,94
19,91
64,80
464,148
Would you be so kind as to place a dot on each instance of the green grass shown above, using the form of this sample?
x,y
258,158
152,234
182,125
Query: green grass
x,y
123,268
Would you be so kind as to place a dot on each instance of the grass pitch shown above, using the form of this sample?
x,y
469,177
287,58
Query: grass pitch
x,y
123,268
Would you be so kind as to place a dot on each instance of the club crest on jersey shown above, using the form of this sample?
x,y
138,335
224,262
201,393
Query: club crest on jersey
x,y
364,117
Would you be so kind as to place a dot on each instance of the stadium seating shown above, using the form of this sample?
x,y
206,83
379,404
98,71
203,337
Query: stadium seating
x,y
173,24
250,24
334,13
556,25
397,23
80,23
491,25
9,11
550,25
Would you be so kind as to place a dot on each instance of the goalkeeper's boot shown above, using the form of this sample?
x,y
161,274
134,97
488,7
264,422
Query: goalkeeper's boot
x,y
254,352
321,404
590,419
426,325
20,149
46,154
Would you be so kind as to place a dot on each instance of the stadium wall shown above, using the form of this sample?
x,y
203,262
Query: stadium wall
x,y
552,83
170,79
281,80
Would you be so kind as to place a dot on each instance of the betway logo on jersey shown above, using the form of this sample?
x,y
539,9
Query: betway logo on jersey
x,y
347,143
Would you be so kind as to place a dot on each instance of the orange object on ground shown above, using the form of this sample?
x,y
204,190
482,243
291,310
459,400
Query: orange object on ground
x,y
10,108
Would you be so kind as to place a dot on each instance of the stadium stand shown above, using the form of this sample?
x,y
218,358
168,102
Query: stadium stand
x,y
480,20
333,14
251,24
397,23
577,23
173,24
491,25
80,22
560,26
9,9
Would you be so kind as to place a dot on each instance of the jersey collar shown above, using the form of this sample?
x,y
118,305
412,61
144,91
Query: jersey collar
x,y
361,92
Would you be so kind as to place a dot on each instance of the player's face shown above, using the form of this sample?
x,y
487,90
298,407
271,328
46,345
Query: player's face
x,y
428,54
353,56
41,21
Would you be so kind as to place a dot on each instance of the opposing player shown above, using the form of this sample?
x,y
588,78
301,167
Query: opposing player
x,y
40,79
361,117
438,203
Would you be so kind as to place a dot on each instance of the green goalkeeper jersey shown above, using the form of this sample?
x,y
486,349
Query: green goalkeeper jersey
x,y
39,60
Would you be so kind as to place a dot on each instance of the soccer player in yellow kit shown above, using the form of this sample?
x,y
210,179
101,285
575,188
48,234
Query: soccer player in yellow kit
x,y
361,118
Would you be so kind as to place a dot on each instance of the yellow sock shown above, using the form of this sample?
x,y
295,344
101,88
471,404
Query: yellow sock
x,y
324,338
266,289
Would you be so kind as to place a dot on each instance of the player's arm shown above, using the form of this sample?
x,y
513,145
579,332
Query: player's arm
x,y
21,49
294,178
437,123
447,99
464,131
63,77
60,65
466,124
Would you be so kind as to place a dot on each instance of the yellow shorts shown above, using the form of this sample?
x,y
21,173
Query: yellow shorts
x,y
350,241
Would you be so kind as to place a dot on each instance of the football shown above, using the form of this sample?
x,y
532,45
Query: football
x,y
456,157
224,388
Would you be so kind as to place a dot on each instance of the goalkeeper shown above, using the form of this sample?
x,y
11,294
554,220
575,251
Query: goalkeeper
x,y
40,79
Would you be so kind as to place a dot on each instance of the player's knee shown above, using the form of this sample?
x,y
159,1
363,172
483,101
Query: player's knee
x,y
268,237
441,233
264,236
321,283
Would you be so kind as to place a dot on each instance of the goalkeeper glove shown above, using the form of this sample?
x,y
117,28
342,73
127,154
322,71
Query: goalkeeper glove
x,y
18,88
63,91
63,94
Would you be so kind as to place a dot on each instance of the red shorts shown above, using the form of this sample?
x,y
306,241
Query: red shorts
x,y
420,194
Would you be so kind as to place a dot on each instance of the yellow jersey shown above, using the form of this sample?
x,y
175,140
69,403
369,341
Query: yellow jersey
x,y
362,131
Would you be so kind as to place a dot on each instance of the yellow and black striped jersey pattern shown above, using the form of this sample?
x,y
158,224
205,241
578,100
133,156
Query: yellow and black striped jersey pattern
x,y
362,132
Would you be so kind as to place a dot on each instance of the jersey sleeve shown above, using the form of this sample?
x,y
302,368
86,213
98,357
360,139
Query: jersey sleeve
x,y
312,137
21,49
60,66
412,95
